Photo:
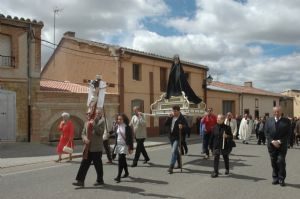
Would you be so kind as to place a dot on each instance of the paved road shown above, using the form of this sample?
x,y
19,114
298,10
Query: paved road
x,y
250,178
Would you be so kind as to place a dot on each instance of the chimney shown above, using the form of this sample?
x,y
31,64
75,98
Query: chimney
x,y
69,34
248,84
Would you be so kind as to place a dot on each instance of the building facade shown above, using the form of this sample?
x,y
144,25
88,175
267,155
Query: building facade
x,y
138,78
239,100
20,66
294,106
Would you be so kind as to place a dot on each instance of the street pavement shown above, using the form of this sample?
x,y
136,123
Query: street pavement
x,y
22,153
250,176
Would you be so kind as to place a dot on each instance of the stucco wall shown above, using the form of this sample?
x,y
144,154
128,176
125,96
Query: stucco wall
x,y
215,100
265,104
75,66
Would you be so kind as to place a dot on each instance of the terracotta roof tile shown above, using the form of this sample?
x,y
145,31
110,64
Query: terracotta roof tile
x,y
58,86
17,19
244,89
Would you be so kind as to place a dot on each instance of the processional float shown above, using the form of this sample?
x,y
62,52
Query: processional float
x,y
178,93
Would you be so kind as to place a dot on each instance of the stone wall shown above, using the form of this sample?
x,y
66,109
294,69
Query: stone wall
x,y
46,113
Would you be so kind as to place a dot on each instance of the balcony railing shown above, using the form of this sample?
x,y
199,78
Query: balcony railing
x,y
7,61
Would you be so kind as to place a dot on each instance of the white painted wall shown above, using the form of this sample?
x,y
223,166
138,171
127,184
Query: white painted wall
x,y
265,104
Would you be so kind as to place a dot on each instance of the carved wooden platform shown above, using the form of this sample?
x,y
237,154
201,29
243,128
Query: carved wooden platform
x,y
163,106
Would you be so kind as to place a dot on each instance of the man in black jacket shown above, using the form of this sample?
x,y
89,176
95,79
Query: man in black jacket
x,y
175,124
220,144
277,131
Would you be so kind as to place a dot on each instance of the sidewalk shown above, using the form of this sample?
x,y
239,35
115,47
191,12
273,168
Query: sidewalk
x,y
23,153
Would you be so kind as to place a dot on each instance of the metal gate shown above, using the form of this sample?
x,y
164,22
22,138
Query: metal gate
x,y
7,115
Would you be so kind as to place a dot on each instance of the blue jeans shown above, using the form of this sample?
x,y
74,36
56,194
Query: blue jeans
x,y
175,152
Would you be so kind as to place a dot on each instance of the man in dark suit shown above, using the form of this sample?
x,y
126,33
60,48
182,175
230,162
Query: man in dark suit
x,y
277,131
175,124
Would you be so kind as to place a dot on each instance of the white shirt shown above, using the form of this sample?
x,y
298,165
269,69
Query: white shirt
x,y
173,123
139,126
121,134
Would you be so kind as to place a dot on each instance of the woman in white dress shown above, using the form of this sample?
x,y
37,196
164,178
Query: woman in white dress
x,y
124,144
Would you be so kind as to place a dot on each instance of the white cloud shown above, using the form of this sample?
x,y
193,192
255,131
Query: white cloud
x,y
223,34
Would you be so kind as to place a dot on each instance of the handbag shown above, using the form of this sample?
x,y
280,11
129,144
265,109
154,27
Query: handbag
x,y
231,143
67,149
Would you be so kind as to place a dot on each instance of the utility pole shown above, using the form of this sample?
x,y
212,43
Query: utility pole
x,y
56,10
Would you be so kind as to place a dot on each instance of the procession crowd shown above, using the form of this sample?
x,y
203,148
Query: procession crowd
x,y
218,133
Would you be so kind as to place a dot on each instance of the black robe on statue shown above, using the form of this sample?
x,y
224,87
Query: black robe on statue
x,y
178,82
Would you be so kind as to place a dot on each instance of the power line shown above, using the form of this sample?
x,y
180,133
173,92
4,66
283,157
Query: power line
x,y
72,49
70,53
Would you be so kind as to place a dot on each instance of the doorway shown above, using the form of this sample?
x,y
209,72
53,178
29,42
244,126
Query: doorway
x,y
7,115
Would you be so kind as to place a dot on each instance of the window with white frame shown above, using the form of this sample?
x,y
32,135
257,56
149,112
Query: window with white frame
x,y
6,59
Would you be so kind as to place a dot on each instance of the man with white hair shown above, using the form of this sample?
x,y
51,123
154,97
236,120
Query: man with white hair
x,y
220,144
138,123
277,130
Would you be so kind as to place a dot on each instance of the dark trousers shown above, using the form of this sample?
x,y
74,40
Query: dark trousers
x,y
107,149
140,148
297,137
86,163
261,138
122,165
206,138
216,162
278,164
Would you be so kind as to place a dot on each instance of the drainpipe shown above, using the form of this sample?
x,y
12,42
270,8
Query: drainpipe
x,y
29,80
241,104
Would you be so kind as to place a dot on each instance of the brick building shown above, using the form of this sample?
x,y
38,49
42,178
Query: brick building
x,y
20,66
139,77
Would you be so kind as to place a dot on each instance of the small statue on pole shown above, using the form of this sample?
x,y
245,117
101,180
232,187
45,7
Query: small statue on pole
x,y
96,95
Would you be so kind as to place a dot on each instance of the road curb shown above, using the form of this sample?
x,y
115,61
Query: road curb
x,y
76,156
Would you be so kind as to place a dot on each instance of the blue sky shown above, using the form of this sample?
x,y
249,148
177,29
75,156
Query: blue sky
x,y
239,40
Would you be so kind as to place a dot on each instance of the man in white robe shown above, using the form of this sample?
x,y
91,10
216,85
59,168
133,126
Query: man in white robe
x,y
230,121
245,129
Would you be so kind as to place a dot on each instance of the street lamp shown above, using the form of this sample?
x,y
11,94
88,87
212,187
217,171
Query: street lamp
x,y
207,81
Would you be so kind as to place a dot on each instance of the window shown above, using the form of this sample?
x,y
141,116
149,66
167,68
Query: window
x,y
246,111
256,103
163,79
139,103
228,106
136,72
6,60
274,103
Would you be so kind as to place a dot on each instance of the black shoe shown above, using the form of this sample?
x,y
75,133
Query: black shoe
x,y
282,183
170,170
117,179
275,182
99,182
125,175
146,161
134,165
78,183
214,175
227,172
244,142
